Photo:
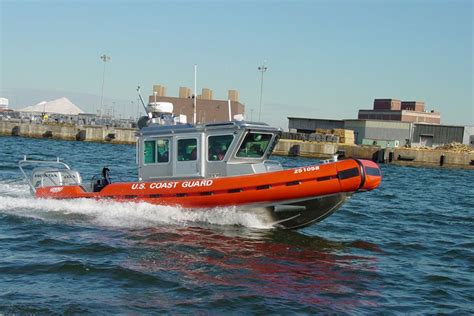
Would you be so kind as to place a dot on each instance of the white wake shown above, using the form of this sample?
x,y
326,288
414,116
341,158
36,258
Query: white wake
x,y
15,199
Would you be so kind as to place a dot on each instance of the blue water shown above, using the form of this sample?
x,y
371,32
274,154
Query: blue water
x,y
407,247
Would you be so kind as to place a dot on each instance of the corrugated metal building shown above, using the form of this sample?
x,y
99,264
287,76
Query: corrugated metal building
x,y
416,134
309,125
379,130
363,129
434,135
468,137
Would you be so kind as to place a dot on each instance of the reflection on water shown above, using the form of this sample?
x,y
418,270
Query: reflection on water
x,y
276,265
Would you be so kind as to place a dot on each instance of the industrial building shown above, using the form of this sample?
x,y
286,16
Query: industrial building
x,y
371,132
308,125
426,135
375,132
365,131
399,122
207,109
468,137
3,104
402,111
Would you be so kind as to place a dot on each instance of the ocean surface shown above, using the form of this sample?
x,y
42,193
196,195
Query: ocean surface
x,y
406,247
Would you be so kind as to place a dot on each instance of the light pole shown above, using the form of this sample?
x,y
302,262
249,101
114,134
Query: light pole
x,y
262,69
105,59
138,109
132,105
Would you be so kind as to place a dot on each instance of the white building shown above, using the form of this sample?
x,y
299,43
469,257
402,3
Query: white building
x,y
3,104
59,106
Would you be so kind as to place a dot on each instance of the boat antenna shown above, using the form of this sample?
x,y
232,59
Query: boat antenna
x,y
141,99
195,97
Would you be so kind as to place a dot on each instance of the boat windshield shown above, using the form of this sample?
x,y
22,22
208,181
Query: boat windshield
x,y
254,145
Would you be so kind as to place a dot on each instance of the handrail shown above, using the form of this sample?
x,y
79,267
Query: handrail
x,y
25,161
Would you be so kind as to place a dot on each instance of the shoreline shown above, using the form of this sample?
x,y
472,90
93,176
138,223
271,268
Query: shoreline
x,y
88,133
397,156
285,147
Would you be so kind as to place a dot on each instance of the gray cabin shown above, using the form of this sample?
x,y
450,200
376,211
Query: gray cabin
x,y
205,151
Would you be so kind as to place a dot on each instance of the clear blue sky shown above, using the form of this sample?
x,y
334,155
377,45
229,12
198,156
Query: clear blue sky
x,y
326,59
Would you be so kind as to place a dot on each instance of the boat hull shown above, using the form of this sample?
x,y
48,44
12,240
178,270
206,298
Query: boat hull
x,y
298,214
291,198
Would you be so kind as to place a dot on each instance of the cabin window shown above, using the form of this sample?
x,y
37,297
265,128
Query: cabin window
x,y
187,149
218,146
162,150
254,145
149,152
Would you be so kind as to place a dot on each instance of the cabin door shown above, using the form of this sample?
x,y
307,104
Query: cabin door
x,y
187,161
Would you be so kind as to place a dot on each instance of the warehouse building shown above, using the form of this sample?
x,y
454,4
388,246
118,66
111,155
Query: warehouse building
x,y
3,104
403,111
308,125
207,109
468,137
389,133
394,122
369,132
372,132
426,135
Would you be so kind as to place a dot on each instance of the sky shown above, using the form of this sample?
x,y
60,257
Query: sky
x,y
326,59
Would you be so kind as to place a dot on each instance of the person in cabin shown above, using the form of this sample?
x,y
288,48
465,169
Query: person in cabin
x,y
256,150
217,152
181,153
193,154
163,157
221,150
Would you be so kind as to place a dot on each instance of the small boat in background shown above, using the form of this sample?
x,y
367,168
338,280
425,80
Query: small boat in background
x,y
206,166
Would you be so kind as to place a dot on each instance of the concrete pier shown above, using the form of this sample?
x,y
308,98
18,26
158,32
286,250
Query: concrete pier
x,y
86,133
324,150
285,147
399,156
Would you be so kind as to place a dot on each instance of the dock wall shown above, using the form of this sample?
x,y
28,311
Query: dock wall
x,y
400,156
89,133
432,157
306,149
285,147
324,150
